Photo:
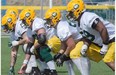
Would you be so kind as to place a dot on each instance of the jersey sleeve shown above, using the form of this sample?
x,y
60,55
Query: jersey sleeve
x,y
37,24
63,32
89,18
20,28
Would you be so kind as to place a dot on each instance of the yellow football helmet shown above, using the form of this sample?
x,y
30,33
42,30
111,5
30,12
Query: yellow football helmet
x,y
75,8
27,15
52,16
12,11
8,22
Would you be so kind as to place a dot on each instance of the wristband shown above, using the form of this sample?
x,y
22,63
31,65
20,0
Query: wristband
x,y
25,61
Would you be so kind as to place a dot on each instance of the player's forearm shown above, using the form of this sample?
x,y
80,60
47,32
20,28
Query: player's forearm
x,y
68,49
100,27
22,41
104,36
63,48
27,58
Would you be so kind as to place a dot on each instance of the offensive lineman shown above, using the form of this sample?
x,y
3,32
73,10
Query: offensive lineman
x,y
18,36
70,38
36,26
100,32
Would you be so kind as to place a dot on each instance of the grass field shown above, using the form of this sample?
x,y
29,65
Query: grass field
x,y
96,68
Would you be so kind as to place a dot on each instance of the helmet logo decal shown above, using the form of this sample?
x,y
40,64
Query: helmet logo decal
x,y
9,20
54,14
13,12
76,6
27,14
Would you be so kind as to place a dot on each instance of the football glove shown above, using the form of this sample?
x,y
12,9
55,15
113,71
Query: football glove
x,y
11,71
57,56
13,43
9,44
61,59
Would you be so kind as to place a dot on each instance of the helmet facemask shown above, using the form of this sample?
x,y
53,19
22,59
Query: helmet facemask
x,y
70,16
49,22
25,23
5,28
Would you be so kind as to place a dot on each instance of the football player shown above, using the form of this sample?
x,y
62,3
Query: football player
x,y
36,25
11,23
100,32
70,41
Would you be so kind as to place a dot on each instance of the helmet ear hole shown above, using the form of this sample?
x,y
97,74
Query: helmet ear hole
x,y
55,18
29,18
77,10
11,22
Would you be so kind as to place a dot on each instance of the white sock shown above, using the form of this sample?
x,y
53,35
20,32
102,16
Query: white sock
x,y
83,64
51,65
69,65
42,65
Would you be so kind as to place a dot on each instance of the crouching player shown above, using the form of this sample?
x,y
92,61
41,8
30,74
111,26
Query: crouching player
x,y
36,26
18,36
69,36
94,28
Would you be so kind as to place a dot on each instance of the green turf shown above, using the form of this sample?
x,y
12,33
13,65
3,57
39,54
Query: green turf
x,y
96,68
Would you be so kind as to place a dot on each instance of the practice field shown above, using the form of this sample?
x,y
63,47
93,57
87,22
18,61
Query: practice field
x,y
96,68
